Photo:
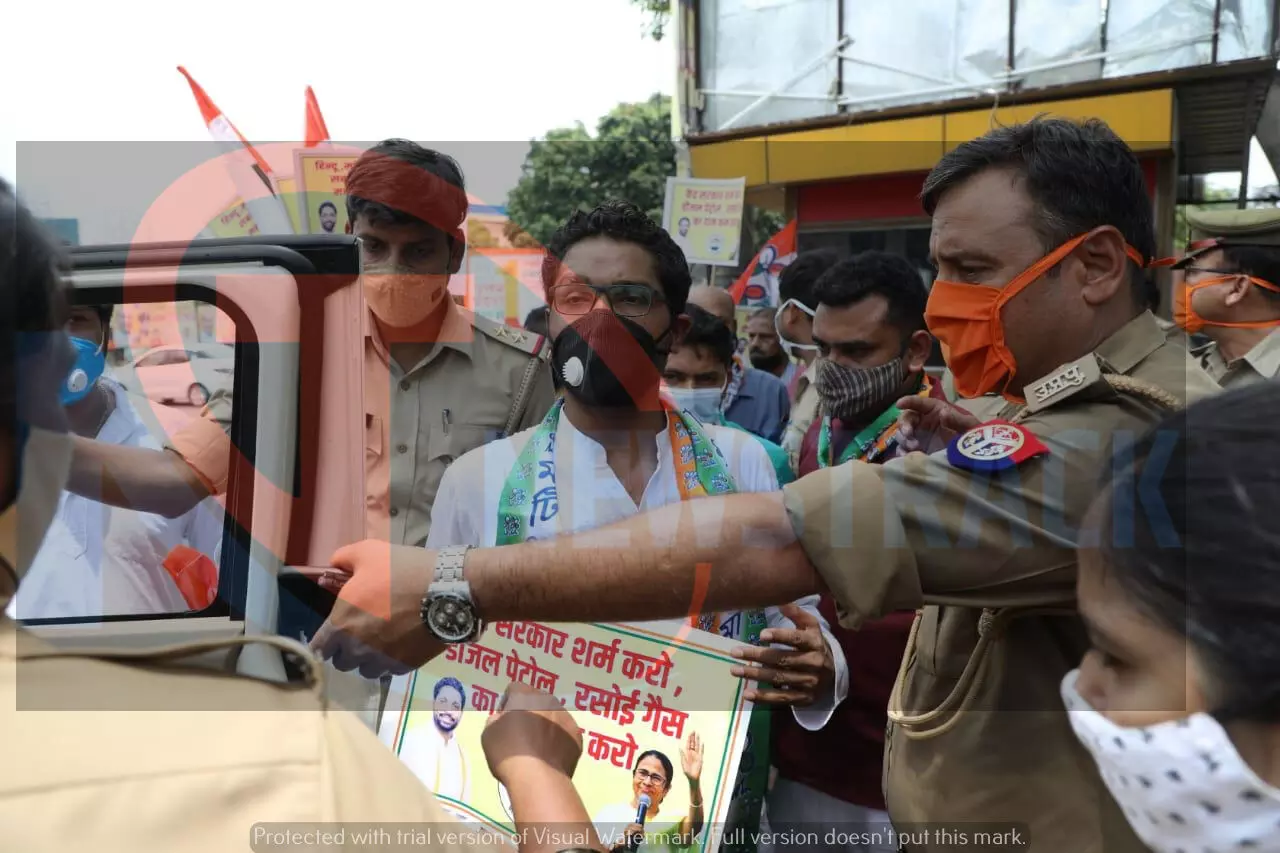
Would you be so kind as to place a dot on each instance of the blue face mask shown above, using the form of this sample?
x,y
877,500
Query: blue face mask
x,y
91,361
702,403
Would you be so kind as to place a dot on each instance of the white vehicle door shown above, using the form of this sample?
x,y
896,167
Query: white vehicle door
x,y
295,490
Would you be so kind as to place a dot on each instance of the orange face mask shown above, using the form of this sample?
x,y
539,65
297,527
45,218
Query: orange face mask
x,y
1185,316
965,318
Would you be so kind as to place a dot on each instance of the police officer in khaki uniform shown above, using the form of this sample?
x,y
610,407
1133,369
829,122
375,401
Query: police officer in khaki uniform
x,y
1040,299
439,380
144,750
1230,293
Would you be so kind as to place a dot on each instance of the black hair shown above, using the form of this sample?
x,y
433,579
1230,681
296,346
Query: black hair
x,y
104,313
622,220
537,321
708,330
797,278
450,681
331,206
872,272
1079,175
1151,294
1259,261
399,182
32,299
668,768
1202,561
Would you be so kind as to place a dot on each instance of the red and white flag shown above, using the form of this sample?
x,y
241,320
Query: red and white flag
x,y
317,132
758,284
267,211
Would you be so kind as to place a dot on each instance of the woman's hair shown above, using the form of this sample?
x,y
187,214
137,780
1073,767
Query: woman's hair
x,y
31,297
667,768
1186,532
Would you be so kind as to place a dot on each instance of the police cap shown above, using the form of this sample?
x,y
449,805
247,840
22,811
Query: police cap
x,y
1257,227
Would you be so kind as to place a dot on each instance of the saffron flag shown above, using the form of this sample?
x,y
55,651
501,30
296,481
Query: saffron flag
x,y
758,284
268,212
317,132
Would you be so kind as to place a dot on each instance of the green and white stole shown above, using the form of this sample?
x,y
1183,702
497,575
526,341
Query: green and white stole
x,y
873,442
529,505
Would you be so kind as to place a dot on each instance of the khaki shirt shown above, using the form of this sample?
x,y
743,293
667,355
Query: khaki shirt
x,y
916,532
153,755
804,410
983,408
1174,333
461,395
1257,365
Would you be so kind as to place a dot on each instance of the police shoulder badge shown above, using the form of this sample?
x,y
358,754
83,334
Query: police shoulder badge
x,y
993,446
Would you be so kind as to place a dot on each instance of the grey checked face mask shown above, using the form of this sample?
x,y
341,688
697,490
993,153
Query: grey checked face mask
x,y
847,392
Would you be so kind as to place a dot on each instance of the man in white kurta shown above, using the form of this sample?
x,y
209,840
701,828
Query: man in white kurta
x,y
98,560
591,496
432,750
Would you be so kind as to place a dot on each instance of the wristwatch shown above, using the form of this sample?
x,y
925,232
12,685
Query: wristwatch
x,y
448,610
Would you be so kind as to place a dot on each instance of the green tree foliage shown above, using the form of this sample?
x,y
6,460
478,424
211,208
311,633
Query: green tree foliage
x,y
659,12
630,157
758,225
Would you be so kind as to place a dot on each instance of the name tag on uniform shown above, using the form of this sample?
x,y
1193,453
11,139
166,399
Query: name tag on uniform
x,y
1063,383
994,446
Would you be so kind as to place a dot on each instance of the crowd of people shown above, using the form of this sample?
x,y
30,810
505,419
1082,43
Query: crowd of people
x,y
1034,592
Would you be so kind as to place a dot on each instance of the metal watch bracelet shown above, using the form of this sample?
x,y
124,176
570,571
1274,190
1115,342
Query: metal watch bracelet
x,y
449,564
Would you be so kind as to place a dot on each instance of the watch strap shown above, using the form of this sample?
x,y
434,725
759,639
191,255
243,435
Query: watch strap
x,y
449,564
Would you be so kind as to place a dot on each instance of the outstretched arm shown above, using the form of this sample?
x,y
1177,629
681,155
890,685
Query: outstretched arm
x,y
715,553
712,554
137,478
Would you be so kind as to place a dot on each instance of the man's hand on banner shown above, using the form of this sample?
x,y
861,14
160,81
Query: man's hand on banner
x,y
796,675
530,732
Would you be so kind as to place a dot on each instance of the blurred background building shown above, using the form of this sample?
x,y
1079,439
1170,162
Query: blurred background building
x,y
835,110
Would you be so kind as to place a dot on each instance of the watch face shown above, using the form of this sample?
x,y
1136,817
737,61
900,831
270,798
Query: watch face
x,y
451,618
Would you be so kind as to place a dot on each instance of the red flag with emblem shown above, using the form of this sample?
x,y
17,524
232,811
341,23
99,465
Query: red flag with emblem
x,y
758,284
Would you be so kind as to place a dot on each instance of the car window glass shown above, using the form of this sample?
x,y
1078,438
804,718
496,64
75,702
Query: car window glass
x,y
100,560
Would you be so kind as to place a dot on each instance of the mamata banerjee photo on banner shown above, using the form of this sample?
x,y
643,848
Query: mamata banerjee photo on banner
x,y
664,725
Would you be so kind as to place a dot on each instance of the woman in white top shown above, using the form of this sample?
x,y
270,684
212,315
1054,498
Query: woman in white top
x,y
651,777
1179,587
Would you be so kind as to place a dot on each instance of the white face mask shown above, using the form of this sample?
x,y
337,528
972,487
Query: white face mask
x,y
788,346
46,461
702,403
1181,784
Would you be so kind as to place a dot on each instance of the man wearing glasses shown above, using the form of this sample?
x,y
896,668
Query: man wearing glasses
x,y
1229,292
612,447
